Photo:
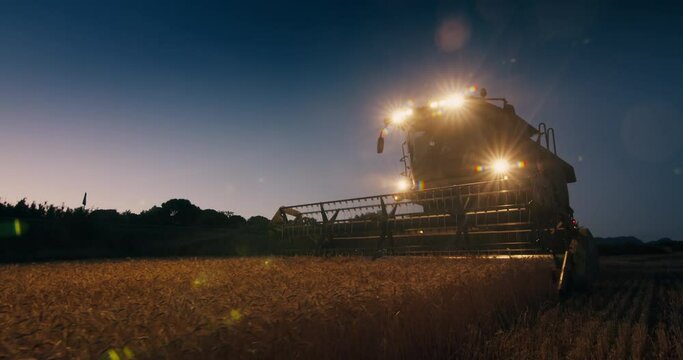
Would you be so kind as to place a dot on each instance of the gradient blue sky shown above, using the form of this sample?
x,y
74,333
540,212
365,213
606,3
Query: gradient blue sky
x,y
246,106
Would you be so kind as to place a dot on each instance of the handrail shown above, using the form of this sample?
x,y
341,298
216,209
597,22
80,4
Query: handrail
x,y
549,132
541,132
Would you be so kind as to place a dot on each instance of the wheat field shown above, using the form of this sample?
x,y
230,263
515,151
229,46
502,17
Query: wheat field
x,y
261,307
336,308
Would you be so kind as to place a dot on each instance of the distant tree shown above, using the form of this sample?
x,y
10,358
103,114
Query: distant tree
x,y
213,218
368,216
110,215
129,217
80,211
5,209
155,216
259,222
236,221
50,211
21,209
181,211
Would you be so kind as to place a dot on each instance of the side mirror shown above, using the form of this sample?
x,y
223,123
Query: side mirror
x,y
380,145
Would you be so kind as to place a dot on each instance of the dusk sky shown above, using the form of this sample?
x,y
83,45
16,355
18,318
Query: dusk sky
x,y
246,106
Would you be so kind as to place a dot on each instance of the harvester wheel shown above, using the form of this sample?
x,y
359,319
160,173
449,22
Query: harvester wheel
x,y
585,269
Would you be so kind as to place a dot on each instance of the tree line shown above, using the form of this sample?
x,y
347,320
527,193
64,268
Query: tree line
x,y
41,231
172,212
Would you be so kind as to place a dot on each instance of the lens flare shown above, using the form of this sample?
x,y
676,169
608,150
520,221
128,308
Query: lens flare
x,y
400,115
403,184
500,166
453,101
17,227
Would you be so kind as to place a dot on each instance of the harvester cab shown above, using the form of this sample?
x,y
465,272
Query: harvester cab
x,y
477,179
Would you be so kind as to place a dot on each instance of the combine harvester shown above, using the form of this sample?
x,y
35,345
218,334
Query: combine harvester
x,y
478,180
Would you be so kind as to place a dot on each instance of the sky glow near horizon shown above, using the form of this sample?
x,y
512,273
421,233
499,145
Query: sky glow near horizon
x,y
248,107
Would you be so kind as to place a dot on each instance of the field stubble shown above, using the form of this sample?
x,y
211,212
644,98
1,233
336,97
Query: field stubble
x,y
635,311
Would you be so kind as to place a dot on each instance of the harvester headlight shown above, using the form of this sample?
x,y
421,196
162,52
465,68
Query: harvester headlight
x,y
403,185
500,166
400,115
453,101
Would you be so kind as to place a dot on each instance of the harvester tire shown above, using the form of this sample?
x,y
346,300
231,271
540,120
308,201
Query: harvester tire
x,y
585,260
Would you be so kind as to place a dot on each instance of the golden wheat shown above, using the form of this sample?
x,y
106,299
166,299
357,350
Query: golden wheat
x,y
338,308
262,307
